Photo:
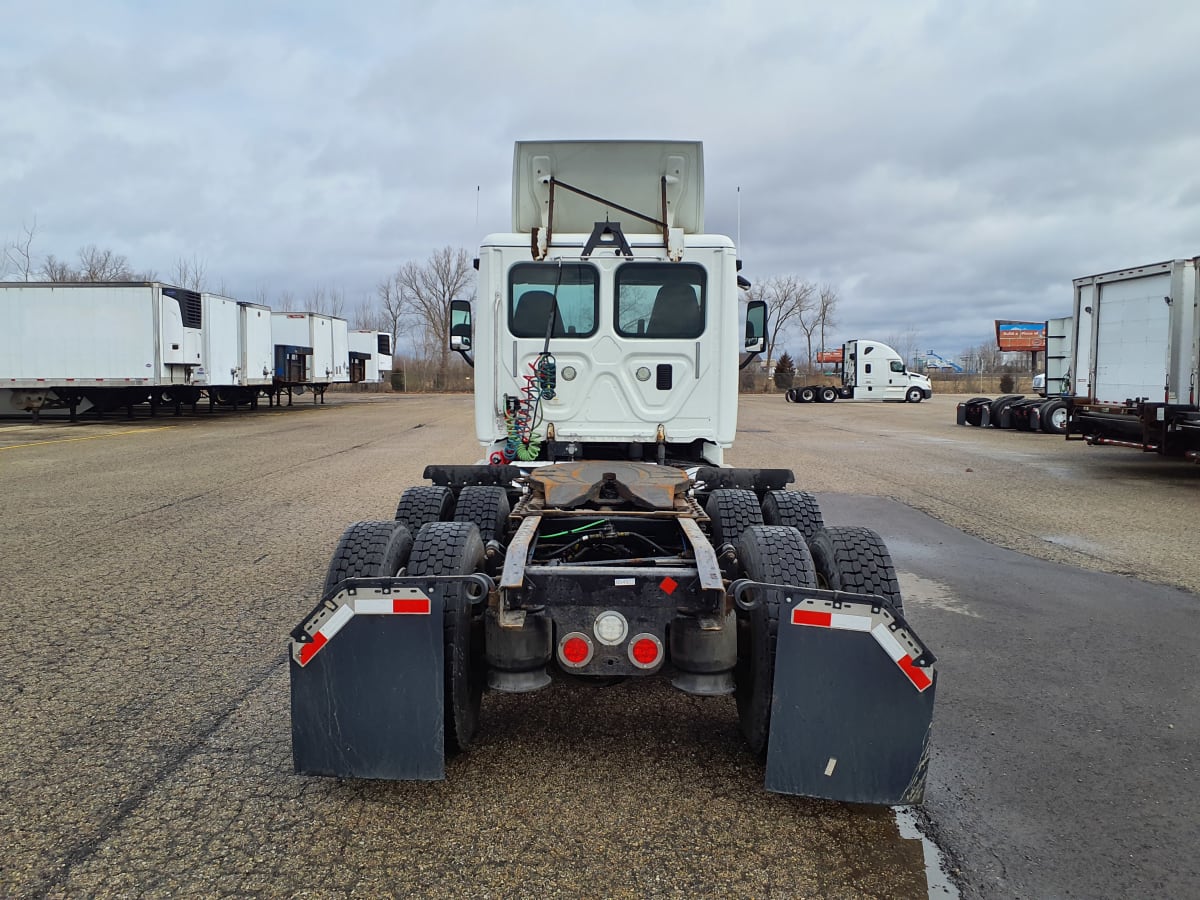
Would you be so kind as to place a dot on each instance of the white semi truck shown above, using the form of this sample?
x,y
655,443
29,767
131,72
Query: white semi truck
x,y
1137,346
601,537
868,370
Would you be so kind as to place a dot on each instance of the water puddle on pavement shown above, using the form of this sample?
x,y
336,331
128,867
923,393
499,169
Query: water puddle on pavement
x,y
918,591
936,877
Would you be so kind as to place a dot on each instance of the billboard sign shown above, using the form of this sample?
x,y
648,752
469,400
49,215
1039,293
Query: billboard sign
x,y
1012,337
829,356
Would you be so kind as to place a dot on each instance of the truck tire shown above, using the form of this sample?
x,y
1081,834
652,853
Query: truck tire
x,y
487,506
731,512
974,410
1002,401
424,503
454,548
776,554
827,394
368,550
806,394
914,395
1054,417
1002,405
789,396
855,559
795,509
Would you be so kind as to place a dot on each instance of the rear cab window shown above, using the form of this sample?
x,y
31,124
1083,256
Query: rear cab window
x,y
660,300
570,290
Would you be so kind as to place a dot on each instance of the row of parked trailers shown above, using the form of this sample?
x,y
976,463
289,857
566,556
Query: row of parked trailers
x,y
1123,370
104,346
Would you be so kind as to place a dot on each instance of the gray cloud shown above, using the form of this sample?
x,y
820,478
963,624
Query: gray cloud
x,y
943,163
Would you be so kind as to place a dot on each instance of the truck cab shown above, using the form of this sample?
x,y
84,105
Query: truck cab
x,y
874,371
606,335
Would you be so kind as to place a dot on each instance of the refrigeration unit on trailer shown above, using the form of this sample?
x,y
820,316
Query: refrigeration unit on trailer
x,y
1138,331
868,370
383,352
98,345
601,537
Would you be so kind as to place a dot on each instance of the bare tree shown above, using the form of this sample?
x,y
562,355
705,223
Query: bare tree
x,y
327,301
827,301
906,344
103,265
190,273
427,289
55,269
788,300
392,306
19,253
286,302
365,316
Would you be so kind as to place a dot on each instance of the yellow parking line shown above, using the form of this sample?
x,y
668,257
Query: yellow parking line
x,y
90,437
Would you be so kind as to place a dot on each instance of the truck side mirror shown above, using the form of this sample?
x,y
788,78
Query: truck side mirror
x,y
460,325
756,326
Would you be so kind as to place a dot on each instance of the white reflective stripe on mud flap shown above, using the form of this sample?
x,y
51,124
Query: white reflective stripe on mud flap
x,y
890,645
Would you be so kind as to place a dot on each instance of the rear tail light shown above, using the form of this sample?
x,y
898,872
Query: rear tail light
x,y
575,650
645,651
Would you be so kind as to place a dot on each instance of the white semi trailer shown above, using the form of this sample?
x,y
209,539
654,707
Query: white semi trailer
x,y
1137,339
601,537
237,351
370,355
99,345
868,370
311,352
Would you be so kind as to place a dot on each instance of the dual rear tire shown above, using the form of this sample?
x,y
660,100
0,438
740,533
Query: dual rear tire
x,y
382,549
840,558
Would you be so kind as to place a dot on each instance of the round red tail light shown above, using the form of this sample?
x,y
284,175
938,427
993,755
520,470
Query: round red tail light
x,y
575,649
645,651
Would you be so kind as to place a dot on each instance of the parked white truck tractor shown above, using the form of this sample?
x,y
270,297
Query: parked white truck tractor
x,y
867,370
601,536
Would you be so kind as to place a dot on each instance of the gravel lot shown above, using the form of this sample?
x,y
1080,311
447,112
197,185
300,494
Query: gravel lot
x,y
154,568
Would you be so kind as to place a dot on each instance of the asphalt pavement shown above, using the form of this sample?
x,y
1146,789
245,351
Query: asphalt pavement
x,y
152,570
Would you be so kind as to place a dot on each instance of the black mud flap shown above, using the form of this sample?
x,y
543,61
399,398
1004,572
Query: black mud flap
x,y
852,704
367,681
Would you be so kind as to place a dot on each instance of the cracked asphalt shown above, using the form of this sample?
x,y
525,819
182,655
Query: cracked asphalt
x,y
152,570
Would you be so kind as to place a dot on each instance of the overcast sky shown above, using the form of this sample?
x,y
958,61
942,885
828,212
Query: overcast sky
x,y
944,164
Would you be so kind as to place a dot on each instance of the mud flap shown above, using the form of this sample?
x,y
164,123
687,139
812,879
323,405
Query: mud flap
x,y
852,704
367,681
